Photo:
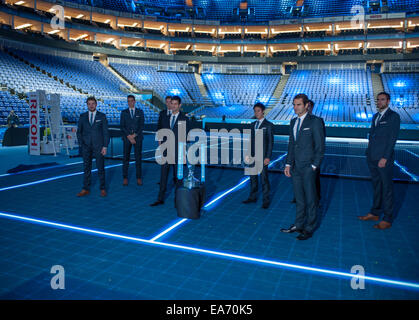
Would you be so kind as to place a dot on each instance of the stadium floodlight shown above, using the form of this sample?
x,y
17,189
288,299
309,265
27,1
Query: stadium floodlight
x,y
80,16
20,3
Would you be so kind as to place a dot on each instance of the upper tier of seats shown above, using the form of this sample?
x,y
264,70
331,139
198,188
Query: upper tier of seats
x,y
259,10
90,76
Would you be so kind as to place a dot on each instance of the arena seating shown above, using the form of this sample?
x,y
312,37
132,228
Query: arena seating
x,y
245,90
404,91
87,75
339,95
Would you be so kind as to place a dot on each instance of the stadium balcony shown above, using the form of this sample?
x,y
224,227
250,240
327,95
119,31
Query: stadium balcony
x,y
232,54
232,36
204,53
314,34
382,51
133,29
351,32
312,53
351,51
383,30
287,35
285,54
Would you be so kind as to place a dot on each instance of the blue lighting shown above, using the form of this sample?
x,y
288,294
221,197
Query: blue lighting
x,y
143,77
335,80
175,92
404,170
241,184
264,99
364,116
219,95
54,178
331,107
167,230
209,76
353,88
303,268
400,84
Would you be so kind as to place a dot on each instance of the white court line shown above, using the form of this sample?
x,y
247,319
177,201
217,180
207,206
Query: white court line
x,y
318,270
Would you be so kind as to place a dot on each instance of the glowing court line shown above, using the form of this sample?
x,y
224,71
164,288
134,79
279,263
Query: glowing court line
x,y
207,205
412,153
327,272
55,178
41,169
51,167
133,153
404,170
161,234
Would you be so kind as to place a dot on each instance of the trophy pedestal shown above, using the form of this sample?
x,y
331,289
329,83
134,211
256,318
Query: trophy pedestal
x,y
188,202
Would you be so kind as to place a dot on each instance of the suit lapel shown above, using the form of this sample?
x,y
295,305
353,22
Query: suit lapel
x,y
303,125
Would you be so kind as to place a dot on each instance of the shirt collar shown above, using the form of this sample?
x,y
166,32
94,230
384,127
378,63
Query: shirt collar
x,y
303,116
384,111
94,112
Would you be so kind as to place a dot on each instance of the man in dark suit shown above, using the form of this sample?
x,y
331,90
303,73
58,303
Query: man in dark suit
x,y
318,186
93,138
171,123
268,142
305,154
132,126
382,138
164,116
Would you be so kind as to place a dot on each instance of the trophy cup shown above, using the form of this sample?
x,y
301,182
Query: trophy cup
x,y
190,194
190,181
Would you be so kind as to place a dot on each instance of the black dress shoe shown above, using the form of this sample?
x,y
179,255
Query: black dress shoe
x,y
158,202
249,201
304,235
291,229
265,206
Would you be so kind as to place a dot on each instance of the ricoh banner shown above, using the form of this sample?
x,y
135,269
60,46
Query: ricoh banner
x,y
34,124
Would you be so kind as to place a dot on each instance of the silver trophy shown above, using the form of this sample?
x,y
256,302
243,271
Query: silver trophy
x,y
190,181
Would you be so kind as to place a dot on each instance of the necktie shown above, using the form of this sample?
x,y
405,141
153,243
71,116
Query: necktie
x,y
91,118
172,122
378,119
298,127
132,113
257,125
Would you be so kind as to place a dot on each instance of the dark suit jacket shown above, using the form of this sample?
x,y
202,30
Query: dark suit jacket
x,y
267,128
132,125
163,118
383,137
309,147
166,125
96,135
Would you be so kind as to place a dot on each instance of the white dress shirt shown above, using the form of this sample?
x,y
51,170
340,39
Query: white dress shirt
x,y
171,118
382,115
94,116
260,123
